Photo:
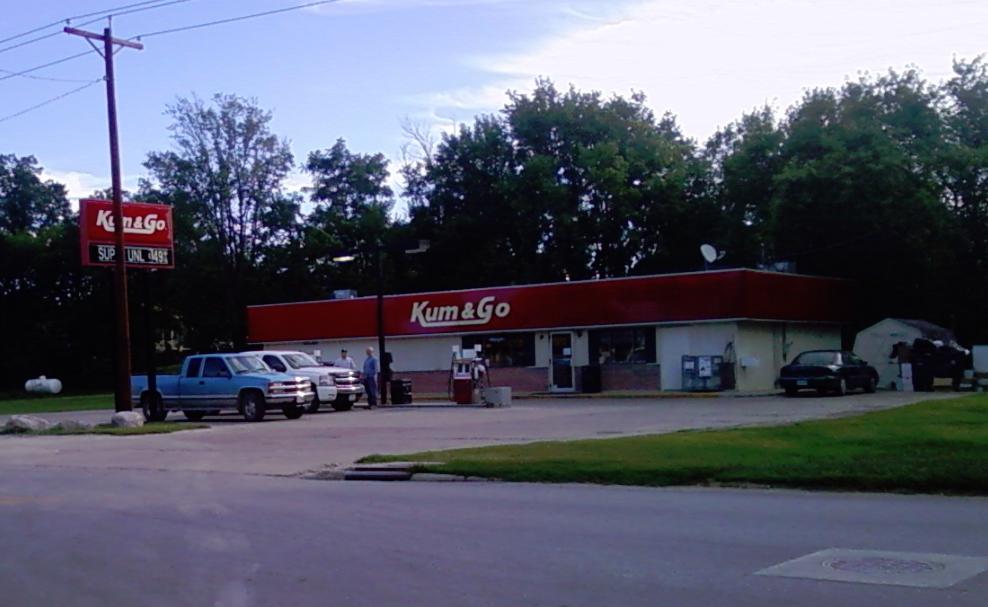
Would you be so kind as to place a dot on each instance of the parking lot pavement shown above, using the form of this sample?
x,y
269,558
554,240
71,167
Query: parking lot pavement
x,y
315,442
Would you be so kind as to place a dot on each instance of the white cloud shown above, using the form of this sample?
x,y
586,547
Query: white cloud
x,y
82,185
708,62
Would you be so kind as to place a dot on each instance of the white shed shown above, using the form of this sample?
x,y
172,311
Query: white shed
x,y
875,344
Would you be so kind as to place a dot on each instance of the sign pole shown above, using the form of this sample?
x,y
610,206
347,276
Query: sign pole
x,y
122,394
152,367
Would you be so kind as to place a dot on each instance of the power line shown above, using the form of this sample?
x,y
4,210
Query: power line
x,y
139,9
232,19
40,38
47,78
44,65
83,16
51,100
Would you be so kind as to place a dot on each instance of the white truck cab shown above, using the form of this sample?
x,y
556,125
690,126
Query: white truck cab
x,y
340,388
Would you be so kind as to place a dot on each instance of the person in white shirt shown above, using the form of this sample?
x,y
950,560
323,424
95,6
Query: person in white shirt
x,y
344,361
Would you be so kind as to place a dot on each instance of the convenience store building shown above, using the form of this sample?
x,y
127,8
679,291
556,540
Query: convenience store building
x,y
661,332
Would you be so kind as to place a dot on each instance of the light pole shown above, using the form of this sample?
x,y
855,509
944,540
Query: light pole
x,y
378,249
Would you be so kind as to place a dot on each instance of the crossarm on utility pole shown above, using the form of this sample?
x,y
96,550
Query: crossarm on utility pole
x,y
102,38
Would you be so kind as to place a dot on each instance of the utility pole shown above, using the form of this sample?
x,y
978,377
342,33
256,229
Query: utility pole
x,y
122,392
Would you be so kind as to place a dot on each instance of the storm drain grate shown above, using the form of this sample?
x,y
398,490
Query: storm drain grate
x,y
880,567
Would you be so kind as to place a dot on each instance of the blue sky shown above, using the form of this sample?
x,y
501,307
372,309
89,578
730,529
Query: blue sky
x,y
356,68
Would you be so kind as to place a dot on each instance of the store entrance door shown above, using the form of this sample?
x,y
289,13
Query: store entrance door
x,y
561,365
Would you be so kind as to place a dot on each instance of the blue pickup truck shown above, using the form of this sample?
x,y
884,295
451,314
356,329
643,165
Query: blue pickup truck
x,y
209,383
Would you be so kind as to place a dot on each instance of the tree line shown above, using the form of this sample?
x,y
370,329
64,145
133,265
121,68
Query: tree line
x,y
883,180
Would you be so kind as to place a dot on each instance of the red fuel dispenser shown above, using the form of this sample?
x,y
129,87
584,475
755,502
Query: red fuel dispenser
x,y
468,372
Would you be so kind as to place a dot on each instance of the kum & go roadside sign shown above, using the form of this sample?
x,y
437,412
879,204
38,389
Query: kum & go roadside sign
x,y
148,234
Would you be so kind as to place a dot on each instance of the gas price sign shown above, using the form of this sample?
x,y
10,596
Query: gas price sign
x,y
148,234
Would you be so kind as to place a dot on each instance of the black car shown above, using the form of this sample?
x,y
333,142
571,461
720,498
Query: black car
x,y
828,371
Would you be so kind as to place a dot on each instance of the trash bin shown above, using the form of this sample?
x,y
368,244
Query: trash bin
x,y
590,379
401,391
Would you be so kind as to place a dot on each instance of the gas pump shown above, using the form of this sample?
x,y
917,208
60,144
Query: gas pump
x,y
467,374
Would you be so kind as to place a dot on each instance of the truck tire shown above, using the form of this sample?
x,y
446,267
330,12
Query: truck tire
x,y
193,416
342,403
293,411
314,405
253,406
152,407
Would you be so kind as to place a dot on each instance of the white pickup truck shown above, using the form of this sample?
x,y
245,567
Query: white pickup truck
x,y
334,386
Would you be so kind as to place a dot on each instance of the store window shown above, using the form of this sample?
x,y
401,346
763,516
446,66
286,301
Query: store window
x,y
628,345
506,349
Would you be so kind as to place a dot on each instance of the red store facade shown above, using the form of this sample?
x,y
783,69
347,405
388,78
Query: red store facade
x,y
540,337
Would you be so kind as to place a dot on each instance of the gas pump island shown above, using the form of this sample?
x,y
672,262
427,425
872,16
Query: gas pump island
x,y
467,375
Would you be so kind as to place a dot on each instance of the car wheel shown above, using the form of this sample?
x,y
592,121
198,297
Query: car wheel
x,y
293,411
841,387
253,406
194,416
870,385
153,409
791,392
314,405
342,404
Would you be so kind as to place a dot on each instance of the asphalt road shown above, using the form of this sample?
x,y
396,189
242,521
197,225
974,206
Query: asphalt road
x,y
221,517
326,440
87,537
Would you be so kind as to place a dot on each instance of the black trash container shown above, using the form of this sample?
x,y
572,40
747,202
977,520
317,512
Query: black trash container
x,y
401,391
590,379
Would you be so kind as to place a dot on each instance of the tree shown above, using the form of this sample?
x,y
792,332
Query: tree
x,y
745,158
561,185
49,303
462,202
351,215
28,204
225,178
856,194
964,171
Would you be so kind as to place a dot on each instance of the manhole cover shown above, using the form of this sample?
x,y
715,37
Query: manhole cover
x,y
918,569
871,565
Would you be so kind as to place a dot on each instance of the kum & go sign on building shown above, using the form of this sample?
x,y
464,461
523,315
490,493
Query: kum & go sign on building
x,y
537,337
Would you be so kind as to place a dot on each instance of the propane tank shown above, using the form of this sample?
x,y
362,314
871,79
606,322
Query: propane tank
x,y
43,385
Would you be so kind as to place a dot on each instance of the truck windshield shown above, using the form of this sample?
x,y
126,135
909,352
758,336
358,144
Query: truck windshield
x,y
246,364
298,361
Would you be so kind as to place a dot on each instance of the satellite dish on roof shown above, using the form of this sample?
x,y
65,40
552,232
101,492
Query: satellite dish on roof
x,y
711,254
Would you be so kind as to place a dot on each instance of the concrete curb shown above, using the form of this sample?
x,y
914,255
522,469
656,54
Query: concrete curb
x,y
377,475
390,472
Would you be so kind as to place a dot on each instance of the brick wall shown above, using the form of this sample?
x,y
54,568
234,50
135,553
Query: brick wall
x,y
520,379
630,377
536,379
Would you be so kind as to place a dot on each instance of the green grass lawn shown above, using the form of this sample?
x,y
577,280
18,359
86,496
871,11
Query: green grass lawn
x,y
52,404
930,447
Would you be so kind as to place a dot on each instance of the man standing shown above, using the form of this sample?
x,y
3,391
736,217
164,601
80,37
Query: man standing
x,y
344,361
371,369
